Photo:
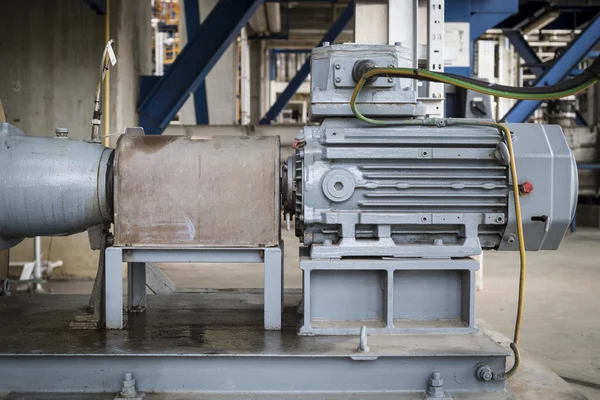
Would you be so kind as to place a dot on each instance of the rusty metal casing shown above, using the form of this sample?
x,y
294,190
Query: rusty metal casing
x,y
197,191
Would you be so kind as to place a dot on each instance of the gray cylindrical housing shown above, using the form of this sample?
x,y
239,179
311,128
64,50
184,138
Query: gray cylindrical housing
x,y
50,186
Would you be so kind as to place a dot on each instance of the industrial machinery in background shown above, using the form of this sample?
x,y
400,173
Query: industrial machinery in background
x,y
390,202
165,32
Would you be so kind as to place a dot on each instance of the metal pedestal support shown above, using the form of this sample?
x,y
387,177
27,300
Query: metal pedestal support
x,y
404,296
136,259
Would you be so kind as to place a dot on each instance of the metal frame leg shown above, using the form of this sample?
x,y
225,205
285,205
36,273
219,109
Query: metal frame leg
x,y
273,287
113,288
136,287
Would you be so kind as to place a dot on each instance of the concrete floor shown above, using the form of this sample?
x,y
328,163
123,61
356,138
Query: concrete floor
x,y
561,324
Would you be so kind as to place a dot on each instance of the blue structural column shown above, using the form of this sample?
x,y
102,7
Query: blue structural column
x,y
97,5
559,70
528,54
524,50
190,68
192,23
302,74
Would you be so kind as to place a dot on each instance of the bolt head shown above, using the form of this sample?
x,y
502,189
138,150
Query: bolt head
x,y
326,44
484,372
436,380
338,80
436,383
128,376
337,66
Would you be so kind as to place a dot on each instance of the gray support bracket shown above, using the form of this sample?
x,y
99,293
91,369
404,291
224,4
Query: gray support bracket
x,y
273,287
113,288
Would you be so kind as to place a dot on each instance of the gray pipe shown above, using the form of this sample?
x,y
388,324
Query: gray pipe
x,y
50,186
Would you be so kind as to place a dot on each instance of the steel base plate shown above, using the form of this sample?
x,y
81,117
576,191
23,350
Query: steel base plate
x,y
213,342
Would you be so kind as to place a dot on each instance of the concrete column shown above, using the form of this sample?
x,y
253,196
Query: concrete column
x,y
50,63
49,68
255,80
132,33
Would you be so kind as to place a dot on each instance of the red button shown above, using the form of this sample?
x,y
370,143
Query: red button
x,y
526,187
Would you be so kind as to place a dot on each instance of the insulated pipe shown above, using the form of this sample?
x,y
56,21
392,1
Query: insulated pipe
x,y
50,186
274,17
259,22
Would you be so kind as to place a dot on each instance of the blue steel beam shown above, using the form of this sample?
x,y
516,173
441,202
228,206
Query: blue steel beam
x,y
579,120
302,74
97,5
192,24
561,67
481,16
524,50
528,54
190,68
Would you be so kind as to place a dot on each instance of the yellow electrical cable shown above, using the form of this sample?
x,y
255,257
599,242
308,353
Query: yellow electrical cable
x,y
520,235
521,239
420,74
106,99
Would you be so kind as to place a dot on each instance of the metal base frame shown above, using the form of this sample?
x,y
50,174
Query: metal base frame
x,y
136,258
246,373
211,344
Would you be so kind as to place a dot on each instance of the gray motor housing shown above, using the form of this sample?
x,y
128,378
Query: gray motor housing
x,y
50,186
413,191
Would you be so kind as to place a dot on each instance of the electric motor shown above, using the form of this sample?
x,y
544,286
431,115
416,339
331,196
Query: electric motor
x,y
357,189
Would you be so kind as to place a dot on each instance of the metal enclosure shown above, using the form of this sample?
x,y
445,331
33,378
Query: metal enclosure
x,y
332,82
197,191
